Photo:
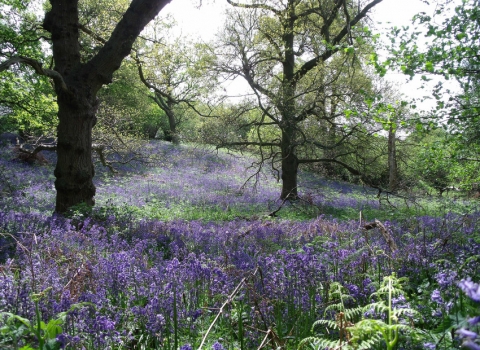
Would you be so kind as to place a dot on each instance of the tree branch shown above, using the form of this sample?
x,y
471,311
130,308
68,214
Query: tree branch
x,y
140,12
247,143
255,6
37,66
352,170
309,65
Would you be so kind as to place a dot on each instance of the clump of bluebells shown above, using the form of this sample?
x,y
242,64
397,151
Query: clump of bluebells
x,y
470,334
162,283
110,279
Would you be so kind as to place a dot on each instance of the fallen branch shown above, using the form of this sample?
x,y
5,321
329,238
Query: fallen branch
x,y
274,213
228,301
265,340
388,237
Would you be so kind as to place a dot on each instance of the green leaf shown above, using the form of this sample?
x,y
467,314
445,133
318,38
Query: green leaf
x,y
52,344
429,67
52,329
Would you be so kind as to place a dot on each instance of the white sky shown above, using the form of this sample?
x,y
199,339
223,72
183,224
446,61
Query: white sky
x,y
205,21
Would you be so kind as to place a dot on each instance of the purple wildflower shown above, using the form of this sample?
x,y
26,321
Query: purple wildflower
x,y
217,346
465,333
429,346
62,340
469,344
474,320
104,324
446,278
186,347
436,297
471,289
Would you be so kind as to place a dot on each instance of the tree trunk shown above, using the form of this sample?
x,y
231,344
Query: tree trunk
x,y
166,106
289,167
74,170
289,175
288,110
331,170
392,161
172,122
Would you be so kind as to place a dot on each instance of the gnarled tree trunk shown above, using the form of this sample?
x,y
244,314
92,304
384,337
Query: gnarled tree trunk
x,y
74,171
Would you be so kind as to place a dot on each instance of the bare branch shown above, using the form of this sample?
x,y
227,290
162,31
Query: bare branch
x,y
352,170
37,66
247,143
255,6
309,65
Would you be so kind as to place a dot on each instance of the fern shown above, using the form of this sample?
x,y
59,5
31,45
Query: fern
x,y
353,313
329,323
344,318
321,344
374,330
366,333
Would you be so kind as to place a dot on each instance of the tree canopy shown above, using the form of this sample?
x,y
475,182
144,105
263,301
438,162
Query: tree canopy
x,y
294,56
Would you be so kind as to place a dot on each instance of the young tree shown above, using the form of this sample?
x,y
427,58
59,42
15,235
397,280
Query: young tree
x,y
179,74
452,53
282,49
77,81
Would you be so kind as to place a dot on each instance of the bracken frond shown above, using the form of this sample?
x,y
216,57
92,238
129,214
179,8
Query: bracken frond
x,y
322,344
370,343
351,314
334,307
404,312
329,323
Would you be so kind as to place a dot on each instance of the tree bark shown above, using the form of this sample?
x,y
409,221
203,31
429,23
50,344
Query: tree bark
x,y
392,160
289,169
172,122
74,171
171,134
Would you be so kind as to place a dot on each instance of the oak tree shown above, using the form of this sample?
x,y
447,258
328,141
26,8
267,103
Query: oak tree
x,y
283,50
77,80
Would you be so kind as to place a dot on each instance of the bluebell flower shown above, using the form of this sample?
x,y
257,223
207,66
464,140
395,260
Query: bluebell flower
x,y
105,324
436,297
446,278
465,333
217,346
62,340
470,288
474,320
186,347
469,344
429,346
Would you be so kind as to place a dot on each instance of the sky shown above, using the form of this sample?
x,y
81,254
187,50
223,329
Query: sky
x,y
203,22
